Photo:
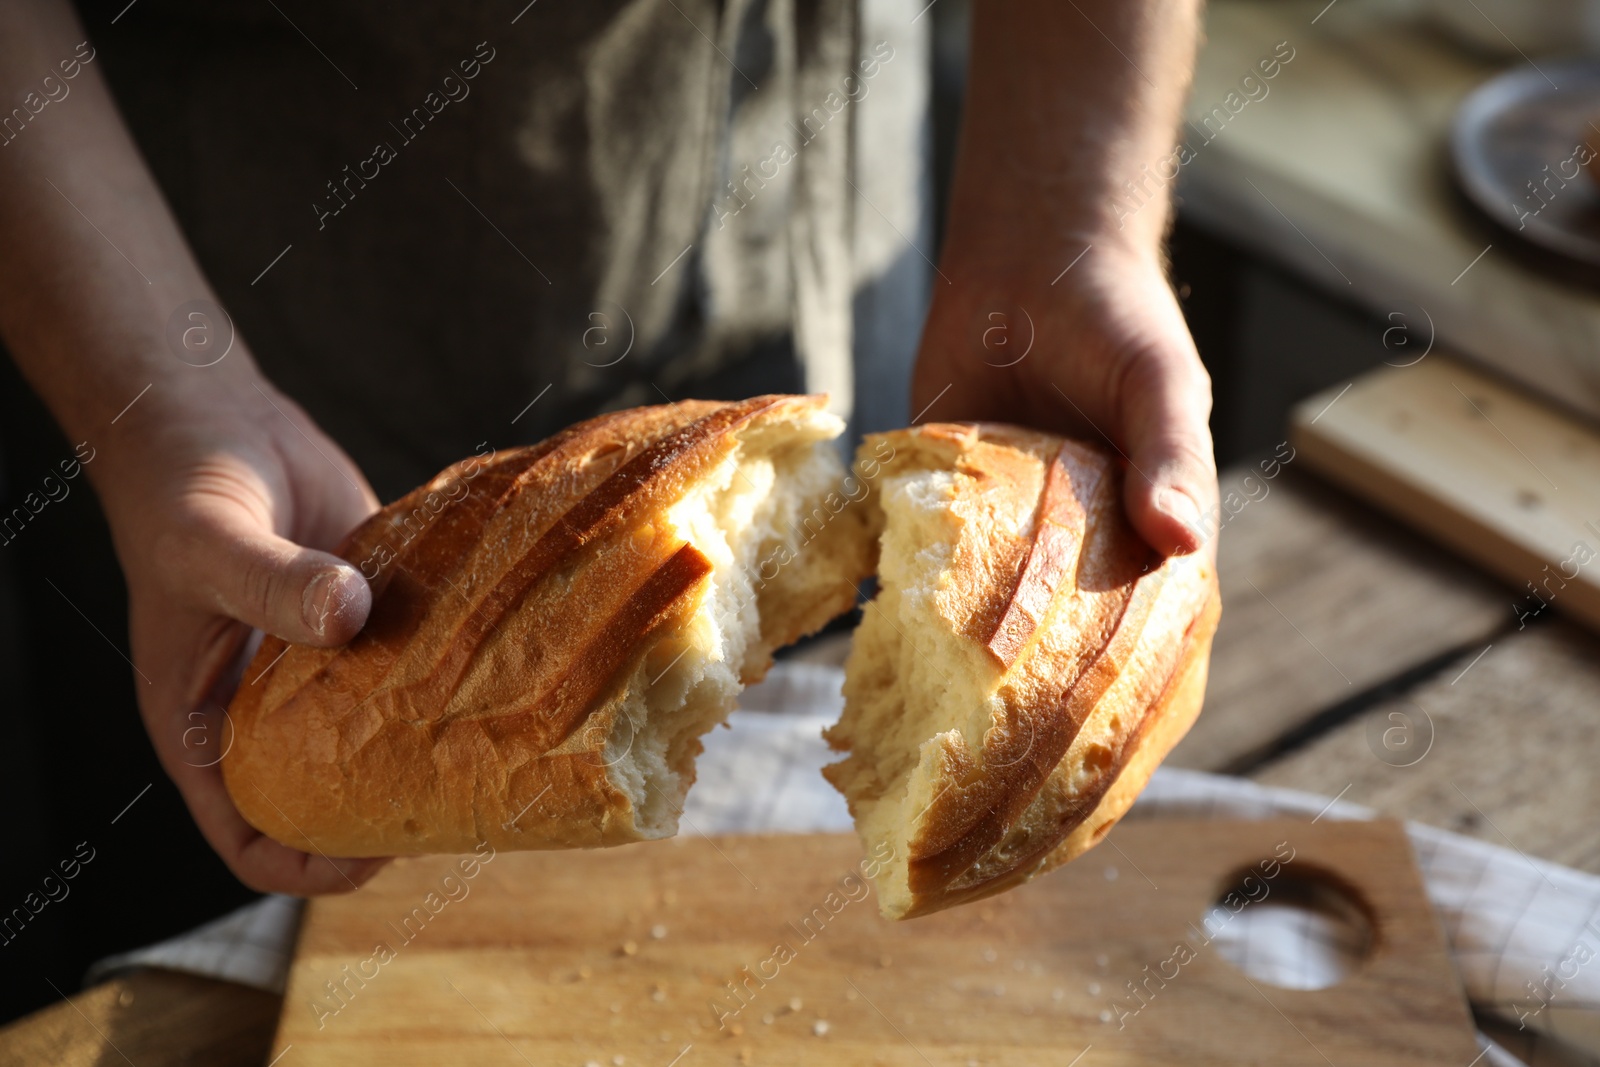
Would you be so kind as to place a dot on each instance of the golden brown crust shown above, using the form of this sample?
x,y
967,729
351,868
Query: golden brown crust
x,y
1078,819
1098,640
516,593
512,596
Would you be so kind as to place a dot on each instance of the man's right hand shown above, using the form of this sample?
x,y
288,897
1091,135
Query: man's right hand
x,y
223,513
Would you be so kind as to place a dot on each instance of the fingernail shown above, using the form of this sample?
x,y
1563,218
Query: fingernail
x,y
318,600
1179,505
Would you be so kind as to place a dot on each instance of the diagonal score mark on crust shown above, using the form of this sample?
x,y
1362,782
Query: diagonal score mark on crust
x,y
622,492
1000,784
1072,810
512,468
551,715
620,495
1054,555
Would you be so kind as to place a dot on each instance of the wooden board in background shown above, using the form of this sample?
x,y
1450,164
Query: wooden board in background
x,y
617,956
1506,481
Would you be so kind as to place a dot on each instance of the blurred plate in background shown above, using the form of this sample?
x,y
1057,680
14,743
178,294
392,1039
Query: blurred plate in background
x,y
1518,146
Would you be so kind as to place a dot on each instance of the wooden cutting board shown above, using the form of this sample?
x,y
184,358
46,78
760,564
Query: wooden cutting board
x,y
1493,473
769,950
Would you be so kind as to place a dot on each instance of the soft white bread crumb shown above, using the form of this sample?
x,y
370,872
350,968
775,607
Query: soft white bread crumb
x,y
912,684
786,545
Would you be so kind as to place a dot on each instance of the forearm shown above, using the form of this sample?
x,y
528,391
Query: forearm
x,y
1066,102
92,264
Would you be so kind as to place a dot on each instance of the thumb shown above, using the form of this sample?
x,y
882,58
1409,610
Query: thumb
x,y
1171,491
302,595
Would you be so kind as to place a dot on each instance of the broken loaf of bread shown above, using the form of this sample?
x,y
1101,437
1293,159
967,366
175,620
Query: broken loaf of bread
x,y
555,627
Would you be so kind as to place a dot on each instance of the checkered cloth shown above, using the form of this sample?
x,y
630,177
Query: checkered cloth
x,y
1525,934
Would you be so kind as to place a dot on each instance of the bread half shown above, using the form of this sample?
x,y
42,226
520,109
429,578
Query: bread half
x,y
555,627
1027,662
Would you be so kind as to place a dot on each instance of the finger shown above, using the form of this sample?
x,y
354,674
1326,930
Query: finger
x,y
268,867
302,595
1170,492
255,859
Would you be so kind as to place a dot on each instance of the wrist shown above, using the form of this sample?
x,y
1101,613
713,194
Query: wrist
x,y
1066,269
1013,232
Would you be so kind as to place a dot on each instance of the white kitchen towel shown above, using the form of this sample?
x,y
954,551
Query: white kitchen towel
x,y
1525,933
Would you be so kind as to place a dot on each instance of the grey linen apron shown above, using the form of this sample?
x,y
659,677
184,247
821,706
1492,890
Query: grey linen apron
x,y
445,225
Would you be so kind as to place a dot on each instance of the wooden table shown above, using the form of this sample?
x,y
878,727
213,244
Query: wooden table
x,y
1335,618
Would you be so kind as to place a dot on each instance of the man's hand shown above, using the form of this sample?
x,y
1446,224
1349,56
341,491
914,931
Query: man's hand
x,y
221,494
1051,306
1101,353
222,515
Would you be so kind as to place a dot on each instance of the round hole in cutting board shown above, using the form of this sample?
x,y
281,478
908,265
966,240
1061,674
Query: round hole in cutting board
x,y
1296,931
